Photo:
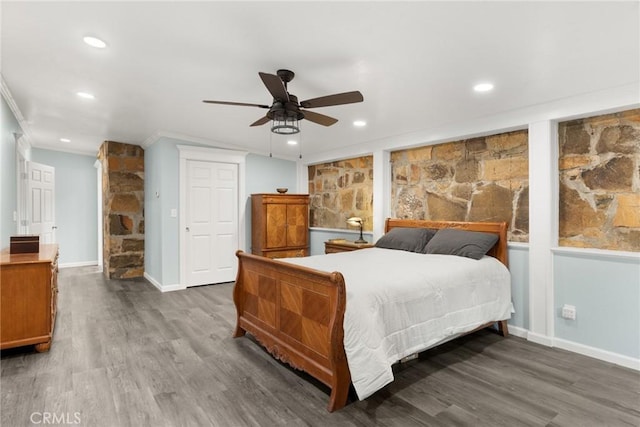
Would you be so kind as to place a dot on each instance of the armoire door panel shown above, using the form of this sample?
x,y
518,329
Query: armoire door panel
x,y
280,225
297,225
277,225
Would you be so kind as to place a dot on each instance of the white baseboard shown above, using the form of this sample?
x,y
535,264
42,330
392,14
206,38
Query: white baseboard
x,y
585,350
163,288
516,331
597,353
540,339
77,264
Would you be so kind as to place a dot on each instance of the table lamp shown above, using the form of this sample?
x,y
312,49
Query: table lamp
x,y
357,221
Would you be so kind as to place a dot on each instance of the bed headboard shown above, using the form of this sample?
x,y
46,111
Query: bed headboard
x,y
498,251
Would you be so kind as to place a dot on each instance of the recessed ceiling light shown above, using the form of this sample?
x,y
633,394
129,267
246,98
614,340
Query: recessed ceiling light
x,y
65,140
483,87
94,42
86,95
359,123
292,142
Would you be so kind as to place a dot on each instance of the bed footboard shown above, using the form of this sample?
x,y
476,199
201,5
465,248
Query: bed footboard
x,y
296,313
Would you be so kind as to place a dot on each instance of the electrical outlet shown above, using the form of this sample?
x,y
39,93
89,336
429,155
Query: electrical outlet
x,y
569,312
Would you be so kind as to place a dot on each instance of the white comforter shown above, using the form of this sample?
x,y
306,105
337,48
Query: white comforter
x,y
399,303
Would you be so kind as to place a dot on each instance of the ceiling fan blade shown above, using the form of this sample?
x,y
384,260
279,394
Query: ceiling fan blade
x,y
337,99
242,104
318,118
275,86
260,121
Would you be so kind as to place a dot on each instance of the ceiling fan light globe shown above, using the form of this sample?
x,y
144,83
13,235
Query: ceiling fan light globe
x,y
285,129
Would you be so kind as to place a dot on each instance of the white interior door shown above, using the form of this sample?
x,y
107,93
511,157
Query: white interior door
x,y
211,222
41,201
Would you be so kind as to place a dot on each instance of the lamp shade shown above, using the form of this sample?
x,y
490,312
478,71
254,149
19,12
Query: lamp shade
x,y
355,221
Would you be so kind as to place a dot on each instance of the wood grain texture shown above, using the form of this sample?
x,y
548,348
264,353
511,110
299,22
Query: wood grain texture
x,y
280,225
335,247
498,251
257,315
126,354
28,294
310,337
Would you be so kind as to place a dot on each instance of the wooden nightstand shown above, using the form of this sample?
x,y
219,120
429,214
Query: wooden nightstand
x,y
344,246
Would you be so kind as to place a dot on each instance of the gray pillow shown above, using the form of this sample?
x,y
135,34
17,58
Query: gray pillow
x,y
406,239
470,244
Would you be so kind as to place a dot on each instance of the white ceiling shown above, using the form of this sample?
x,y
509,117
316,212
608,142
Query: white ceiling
x,y
414,62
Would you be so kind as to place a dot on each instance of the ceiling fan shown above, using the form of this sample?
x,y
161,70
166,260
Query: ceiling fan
x,y
285,109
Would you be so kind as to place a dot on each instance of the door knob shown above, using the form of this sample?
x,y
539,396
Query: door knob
x,y
187,228
54,227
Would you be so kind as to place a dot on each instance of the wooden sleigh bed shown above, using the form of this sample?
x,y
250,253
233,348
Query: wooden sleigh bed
x,y
297,313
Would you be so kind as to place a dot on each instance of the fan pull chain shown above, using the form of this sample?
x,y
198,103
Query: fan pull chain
x,y
300,142
270,144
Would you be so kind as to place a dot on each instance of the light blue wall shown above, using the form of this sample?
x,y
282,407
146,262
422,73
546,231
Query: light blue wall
x,y
162,243
264,175
152,213
170,199
318,237
162,163
8,184
76,200
606,293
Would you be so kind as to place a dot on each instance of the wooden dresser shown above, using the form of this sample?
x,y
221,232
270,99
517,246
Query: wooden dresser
x,y
28,295
280,225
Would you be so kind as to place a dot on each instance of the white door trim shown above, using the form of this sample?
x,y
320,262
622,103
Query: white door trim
x,y
98,165
189,152
543,228
23,152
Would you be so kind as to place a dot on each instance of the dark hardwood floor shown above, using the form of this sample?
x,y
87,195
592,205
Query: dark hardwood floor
x,y
125,354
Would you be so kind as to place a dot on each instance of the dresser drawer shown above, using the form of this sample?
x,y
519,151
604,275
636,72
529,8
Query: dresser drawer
x,y
291,253
28,297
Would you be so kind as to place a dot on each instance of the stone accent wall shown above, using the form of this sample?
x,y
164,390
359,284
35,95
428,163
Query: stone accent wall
x,y
599,166
123,209
340,190
479,179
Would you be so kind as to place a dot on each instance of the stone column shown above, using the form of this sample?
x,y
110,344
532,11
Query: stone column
x,y
123,209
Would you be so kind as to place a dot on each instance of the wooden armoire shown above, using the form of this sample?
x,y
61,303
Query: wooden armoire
x,y
280,225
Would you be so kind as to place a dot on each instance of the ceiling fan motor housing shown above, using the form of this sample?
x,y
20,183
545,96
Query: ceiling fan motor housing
x,y
287,110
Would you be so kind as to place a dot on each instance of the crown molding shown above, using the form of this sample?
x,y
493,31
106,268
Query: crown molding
x,y
604,101
207,143
87,153
151,140
187,138
8,97
25,142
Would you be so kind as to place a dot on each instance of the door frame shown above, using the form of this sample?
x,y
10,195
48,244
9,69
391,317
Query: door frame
x,y
22,157
214,155
98,165
29,201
